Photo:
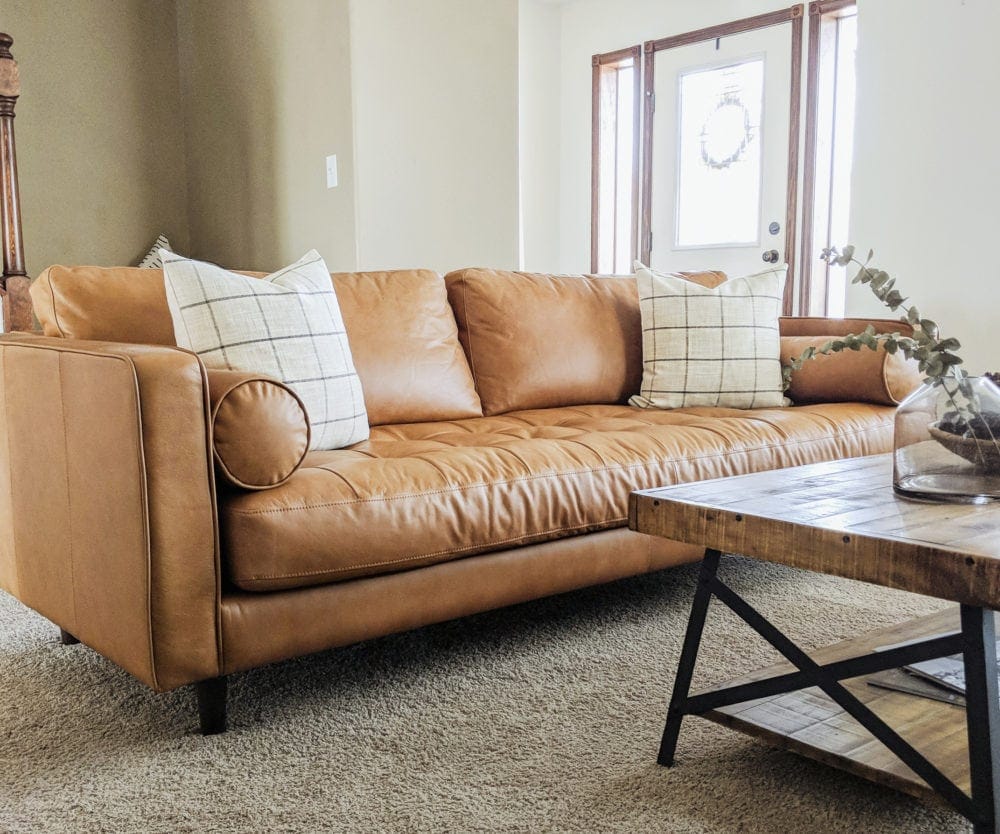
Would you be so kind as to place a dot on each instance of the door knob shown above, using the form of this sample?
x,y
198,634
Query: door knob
x,y
770,256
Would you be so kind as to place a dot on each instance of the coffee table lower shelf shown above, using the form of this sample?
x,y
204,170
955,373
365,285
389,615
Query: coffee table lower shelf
x,y
811,724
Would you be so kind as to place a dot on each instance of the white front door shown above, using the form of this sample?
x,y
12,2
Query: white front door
x,y
719,158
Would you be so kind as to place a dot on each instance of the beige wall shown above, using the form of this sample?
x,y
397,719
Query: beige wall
x,y
926,167
98,129
435,128
538,134
267,95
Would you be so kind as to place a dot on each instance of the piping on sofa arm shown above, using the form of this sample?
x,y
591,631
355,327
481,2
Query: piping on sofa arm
x,y
107,500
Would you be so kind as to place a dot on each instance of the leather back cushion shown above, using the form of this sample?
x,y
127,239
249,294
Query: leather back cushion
x,y
401,329
108,304
542,341
405,345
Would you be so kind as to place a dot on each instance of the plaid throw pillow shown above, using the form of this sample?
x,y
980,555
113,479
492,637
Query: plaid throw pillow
x,y
287,325
706,346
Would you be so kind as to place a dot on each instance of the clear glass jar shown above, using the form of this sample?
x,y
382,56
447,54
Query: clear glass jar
x,y
947,442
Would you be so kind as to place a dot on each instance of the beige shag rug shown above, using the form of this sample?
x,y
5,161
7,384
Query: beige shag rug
x,y
540,718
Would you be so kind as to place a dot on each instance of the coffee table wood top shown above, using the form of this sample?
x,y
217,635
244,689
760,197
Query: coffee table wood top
x,y
840,518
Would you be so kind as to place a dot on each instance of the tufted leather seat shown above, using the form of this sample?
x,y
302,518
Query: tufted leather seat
x,y
422,493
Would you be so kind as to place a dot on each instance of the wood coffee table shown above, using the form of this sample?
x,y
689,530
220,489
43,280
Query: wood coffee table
x,y
843,519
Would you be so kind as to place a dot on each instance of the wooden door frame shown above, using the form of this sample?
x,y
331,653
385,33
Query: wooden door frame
x,y
792,14
817,10
598,61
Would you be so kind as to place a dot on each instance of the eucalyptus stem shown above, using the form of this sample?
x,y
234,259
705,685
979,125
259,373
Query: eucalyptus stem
x,y
936,356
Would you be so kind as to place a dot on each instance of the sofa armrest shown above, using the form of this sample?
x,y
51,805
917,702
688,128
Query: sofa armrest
x,y
826,326
862,376
107,501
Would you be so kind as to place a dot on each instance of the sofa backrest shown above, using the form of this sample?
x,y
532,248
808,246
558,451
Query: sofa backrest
x,y
401,330
478,341
540,341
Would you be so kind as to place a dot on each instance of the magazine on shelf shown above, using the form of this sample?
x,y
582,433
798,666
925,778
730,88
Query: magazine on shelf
x,y
948,672
945,673
900,681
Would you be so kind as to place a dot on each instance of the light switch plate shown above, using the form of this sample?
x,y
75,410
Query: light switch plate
x,y
331,171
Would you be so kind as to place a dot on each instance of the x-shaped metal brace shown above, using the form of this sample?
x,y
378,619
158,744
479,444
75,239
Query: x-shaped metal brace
x,y
976,641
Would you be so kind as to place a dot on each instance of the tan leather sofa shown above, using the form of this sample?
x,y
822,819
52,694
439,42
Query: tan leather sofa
x,y
498,470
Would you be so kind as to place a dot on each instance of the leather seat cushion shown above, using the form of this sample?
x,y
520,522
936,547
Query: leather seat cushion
x,y
419,494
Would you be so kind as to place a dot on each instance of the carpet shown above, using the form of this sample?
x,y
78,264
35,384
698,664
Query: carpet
x,y
539,718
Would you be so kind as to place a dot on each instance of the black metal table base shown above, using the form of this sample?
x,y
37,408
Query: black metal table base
x,y
976,641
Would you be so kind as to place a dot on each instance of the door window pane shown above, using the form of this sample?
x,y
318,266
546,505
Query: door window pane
x,y
719,155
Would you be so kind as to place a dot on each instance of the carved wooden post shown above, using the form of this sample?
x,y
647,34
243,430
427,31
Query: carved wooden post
x,y
14,281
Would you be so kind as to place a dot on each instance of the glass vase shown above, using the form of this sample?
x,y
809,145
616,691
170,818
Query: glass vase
x,y
947,442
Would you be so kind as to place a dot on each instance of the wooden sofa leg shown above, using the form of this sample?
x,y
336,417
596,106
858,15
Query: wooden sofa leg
x,y
66,638
212,705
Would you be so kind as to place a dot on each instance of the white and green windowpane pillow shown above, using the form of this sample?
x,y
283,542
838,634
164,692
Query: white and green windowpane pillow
x,y
287,325
706,346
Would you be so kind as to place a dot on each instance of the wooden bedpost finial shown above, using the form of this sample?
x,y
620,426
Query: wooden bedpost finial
x,y
14,280
10,80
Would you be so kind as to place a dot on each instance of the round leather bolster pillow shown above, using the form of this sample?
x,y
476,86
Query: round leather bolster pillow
x,y
870,376
260,429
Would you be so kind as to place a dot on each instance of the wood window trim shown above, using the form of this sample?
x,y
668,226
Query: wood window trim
x,y
597,62
817,11
792,14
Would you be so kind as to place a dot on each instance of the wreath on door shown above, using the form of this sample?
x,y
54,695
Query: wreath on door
x,y
726,132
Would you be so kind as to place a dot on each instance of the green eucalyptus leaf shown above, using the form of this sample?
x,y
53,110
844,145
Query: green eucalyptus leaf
x,y
935,366
935,357
880,279
894,300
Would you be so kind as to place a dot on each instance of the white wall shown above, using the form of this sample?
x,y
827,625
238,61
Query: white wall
x,y
593,26
435,126
539,24
926,185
